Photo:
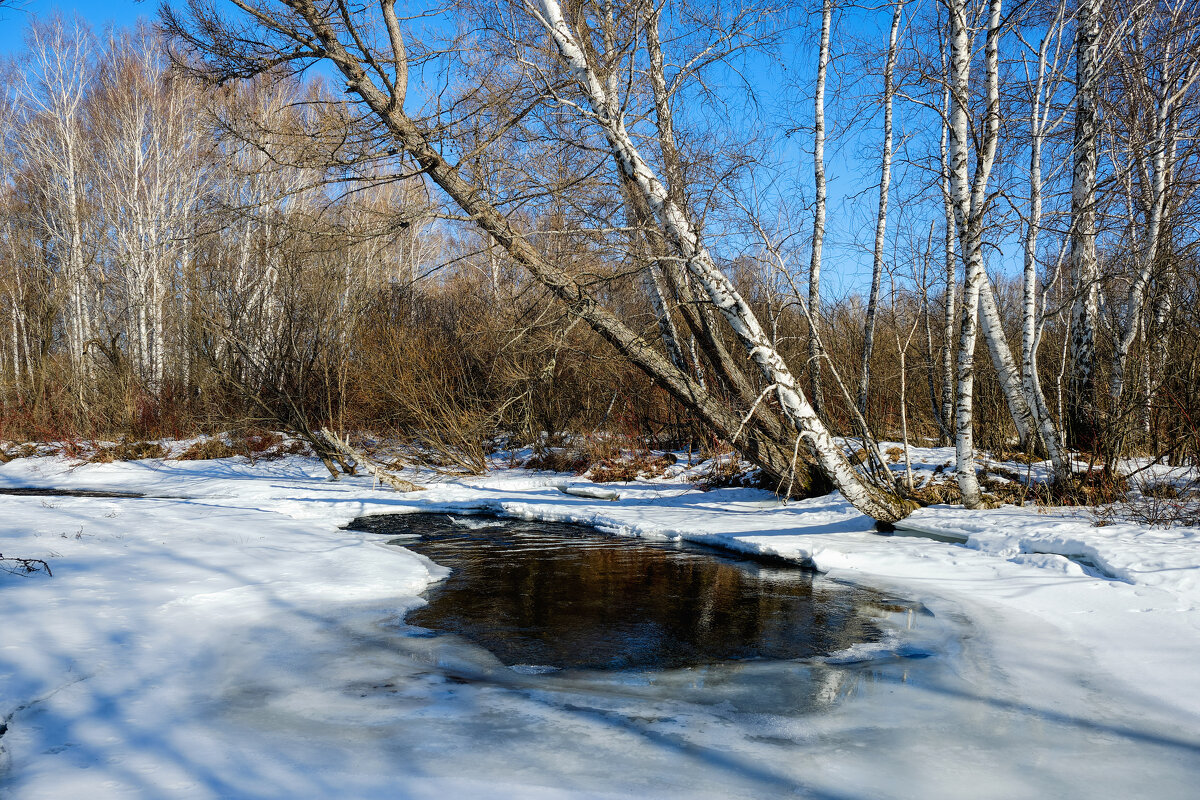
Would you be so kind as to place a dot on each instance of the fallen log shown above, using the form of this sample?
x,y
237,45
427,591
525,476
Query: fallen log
x,y
591,493
379,473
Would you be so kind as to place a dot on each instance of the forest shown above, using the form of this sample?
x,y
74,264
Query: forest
x,y
473,226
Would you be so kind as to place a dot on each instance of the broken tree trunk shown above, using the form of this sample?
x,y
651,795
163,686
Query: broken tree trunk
x,y
369,464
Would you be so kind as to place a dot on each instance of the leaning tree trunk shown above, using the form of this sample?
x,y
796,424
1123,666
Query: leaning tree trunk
x,y
881,502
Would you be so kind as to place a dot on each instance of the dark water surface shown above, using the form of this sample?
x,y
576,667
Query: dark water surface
x,y
568,596
39,491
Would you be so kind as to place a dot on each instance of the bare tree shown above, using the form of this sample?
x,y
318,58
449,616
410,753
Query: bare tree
x,y
818,234
969,195
885,181
1043,120
1082,413
54,90
1158,68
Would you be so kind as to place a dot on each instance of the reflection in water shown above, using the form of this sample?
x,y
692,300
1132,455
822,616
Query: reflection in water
x,y
567,596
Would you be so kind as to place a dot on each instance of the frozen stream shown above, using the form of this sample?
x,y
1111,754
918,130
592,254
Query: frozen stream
x,y
558,656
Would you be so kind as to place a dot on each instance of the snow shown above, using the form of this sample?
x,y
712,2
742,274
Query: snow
x,y
223,638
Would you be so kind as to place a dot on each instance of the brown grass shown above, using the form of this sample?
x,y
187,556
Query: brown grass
x,y
256,445
127,451
207,449
558,459
630,466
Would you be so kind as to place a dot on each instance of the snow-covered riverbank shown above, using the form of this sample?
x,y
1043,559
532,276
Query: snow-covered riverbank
x,y
230,641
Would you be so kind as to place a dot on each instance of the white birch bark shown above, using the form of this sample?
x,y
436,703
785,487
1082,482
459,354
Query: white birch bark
x,y
885,179
969,194
818,236
951,268
1082,413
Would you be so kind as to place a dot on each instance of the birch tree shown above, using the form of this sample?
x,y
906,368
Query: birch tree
x,y
818,234
149,186
1043,121
1159,66
1082,422
885,180
13,287
969,197
53,90
950,265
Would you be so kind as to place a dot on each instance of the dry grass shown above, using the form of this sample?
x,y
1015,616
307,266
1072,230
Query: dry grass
x,y
208,449
631,466
558,459
605,459
937,493
255,445
729,471
127,451
1006,486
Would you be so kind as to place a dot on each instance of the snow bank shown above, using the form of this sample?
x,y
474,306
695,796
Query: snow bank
x,y
228,640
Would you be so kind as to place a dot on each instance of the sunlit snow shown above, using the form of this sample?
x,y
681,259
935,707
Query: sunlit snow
x,y
233,642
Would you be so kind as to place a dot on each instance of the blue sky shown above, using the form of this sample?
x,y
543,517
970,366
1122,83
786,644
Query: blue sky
x,y
14,15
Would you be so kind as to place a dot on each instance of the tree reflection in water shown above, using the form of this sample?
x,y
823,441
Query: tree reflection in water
x,y
568,596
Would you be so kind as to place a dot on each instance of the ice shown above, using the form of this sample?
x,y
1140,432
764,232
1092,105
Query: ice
x,y
237,644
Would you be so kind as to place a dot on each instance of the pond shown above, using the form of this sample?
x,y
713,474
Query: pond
x,y
631,623
562,596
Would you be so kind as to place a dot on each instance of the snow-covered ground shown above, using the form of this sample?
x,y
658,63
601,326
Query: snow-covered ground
x,y
224,639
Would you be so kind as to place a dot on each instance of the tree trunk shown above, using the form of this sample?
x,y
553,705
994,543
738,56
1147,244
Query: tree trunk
x,y
818,236
969,194
885,179
1082,412
951,264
